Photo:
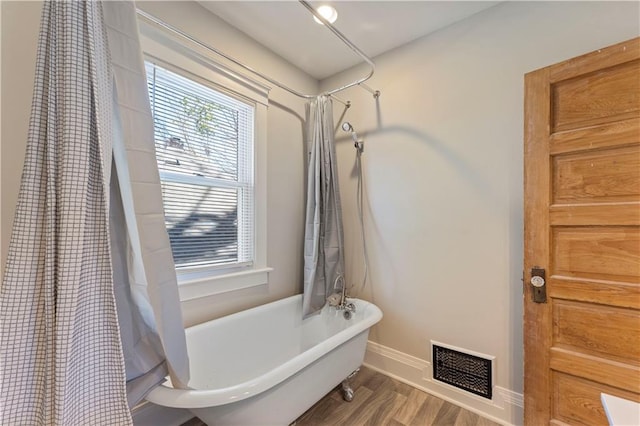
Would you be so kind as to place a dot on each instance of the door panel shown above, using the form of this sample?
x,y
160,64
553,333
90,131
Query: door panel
x,y
582,225
615,337
596,98
575,400
596,177
594,252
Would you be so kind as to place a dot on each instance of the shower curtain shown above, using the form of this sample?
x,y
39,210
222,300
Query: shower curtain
x,y
323,242
61,346
145,284
60,354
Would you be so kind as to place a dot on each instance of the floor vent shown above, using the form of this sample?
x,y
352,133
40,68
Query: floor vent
x,y
462,370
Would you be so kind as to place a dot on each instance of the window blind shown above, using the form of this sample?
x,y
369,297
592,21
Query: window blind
x,y
204,148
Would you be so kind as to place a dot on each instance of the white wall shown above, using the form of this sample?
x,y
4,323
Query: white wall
x,y
1,251
20,21
443,171
19,27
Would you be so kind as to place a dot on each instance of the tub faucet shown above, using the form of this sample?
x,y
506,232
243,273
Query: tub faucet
x,y
347,307
343,295
341,303
340,300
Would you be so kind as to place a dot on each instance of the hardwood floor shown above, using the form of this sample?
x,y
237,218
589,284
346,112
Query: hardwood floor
x,y
382,401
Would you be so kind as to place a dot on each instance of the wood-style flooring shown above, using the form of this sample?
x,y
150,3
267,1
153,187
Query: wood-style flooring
x,y
382,401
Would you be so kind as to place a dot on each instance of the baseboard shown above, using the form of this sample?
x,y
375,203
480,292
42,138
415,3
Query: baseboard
x,y
148,414
505,408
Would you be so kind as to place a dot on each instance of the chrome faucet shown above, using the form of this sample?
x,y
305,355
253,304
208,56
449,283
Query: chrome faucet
x,y
348,308
340,300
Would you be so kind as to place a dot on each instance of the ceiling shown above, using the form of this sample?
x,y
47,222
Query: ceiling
x,y
288,29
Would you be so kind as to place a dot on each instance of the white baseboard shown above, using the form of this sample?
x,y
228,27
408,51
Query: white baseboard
x,y
148,414
505,408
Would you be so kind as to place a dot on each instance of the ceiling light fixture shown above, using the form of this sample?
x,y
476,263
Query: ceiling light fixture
x,y
327,12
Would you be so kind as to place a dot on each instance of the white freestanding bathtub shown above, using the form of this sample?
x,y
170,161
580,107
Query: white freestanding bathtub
x,y
267,366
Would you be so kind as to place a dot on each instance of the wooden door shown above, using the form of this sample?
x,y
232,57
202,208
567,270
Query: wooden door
x,y
582,217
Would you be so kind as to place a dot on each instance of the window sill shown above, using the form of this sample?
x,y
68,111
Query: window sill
x,y
190,289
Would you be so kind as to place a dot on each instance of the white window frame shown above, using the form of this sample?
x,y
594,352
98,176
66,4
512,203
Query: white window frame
x,y
193,62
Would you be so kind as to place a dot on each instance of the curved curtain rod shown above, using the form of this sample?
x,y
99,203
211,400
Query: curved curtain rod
x,y
353,47
359,82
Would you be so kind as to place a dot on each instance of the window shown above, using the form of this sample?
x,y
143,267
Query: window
x,y
210,134
204,148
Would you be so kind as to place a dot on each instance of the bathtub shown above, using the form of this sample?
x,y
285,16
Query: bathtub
x,y
267,366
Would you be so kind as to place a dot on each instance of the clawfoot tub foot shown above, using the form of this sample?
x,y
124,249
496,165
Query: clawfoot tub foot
x,y
347,390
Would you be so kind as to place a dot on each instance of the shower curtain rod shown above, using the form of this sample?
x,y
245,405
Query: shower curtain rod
x,y
342,37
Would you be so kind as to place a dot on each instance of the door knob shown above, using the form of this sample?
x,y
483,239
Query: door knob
x,y
537,281
539,289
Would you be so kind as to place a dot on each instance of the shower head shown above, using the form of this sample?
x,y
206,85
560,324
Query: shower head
x,y
358,143
347,127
